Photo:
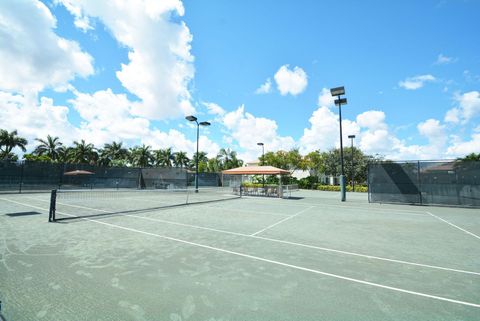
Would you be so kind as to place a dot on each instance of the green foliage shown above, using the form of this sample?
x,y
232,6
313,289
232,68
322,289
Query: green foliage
x,y
8,141
336,188
308,182
37,158
470,157
291,160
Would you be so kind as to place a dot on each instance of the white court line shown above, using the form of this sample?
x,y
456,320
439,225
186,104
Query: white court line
x,y
245,211
319,204
290,243
455,226
281,221
276,262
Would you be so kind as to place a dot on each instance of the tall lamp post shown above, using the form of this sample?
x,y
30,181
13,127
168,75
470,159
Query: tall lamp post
x,y
352,137
263,160
338,91
203,123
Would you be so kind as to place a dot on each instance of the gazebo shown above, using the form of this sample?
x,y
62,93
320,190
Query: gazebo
x,y
276,191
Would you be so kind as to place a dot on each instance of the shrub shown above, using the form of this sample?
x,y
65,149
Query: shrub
x,y
336,188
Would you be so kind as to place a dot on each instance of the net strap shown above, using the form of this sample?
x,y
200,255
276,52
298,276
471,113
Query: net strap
x,y
53,201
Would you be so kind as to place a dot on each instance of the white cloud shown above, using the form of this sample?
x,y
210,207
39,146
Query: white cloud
x,y
247,130
291,81
372,119
461,148
443,60
324,130
35,119
108,117
468,108
434,131
179,142
265,88
416,82
214,109
325,98
160,65
41,58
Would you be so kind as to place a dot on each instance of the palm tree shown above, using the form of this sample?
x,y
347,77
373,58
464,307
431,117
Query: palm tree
x,y
180,159
64,154
163,157
49,147
141,156
8,141
83,152
228,159
112,153
202,158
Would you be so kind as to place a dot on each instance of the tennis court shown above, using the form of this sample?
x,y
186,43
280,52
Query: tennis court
x,y
309,257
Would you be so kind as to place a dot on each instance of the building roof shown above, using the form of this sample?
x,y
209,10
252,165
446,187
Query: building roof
x,y
256,170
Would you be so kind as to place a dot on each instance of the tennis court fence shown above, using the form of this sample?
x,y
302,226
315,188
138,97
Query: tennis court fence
x,y
18,177
451,183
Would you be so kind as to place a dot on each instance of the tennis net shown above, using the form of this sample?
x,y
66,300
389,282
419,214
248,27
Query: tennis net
x,y
75,204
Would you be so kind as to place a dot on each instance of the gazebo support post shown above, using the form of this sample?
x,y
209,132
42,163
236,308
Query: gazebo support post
x,y
280,189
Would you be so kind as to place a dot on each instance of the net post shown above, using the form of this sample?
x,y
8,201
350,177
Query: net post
x,y
53,201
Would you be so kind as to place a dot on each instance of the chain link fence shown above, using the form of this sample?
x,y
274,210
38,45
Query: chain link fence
x,y
18,177
452,183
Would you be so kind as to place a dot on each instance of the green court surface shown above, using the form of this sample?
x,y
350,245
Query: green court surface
x,y
310,257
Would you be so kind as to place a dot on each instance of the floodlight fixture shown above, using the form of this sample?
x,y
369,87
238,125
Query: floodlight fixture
x,y
263,163
340,101
203,123
337,91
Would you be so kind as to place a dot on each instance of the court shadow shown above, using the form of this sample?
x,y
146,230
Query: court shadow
x,y
22,214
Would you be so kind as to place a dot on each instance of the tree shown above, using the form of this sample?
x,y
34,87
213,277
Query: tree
x,y
214,165
37,158
470,157
49,147
113,154
163,157
141,156
83,153
180,159
202,158
227,159
291,160
10,140
315,162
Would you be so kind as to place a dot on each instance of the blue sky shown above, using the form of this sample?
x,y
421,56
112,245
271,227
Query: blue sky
x,y
258,70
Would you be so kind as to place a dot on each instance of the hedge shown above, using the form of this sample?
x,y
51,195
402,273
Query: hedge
x,y
336,188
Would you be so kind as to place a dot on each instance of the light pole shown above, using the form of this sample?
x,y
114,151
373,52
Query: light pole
x,y
203,123
338,91
352,137
263,160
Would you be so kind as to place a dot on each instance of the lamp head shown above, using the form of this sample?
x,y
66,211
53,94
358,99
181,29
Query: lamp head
x,y
191,118
351,136
260,144
337,91
204,123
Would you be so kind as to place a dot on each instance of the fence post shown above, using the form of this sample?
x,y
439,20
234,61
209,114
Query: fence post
x,y
368,181
419,183
21,178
